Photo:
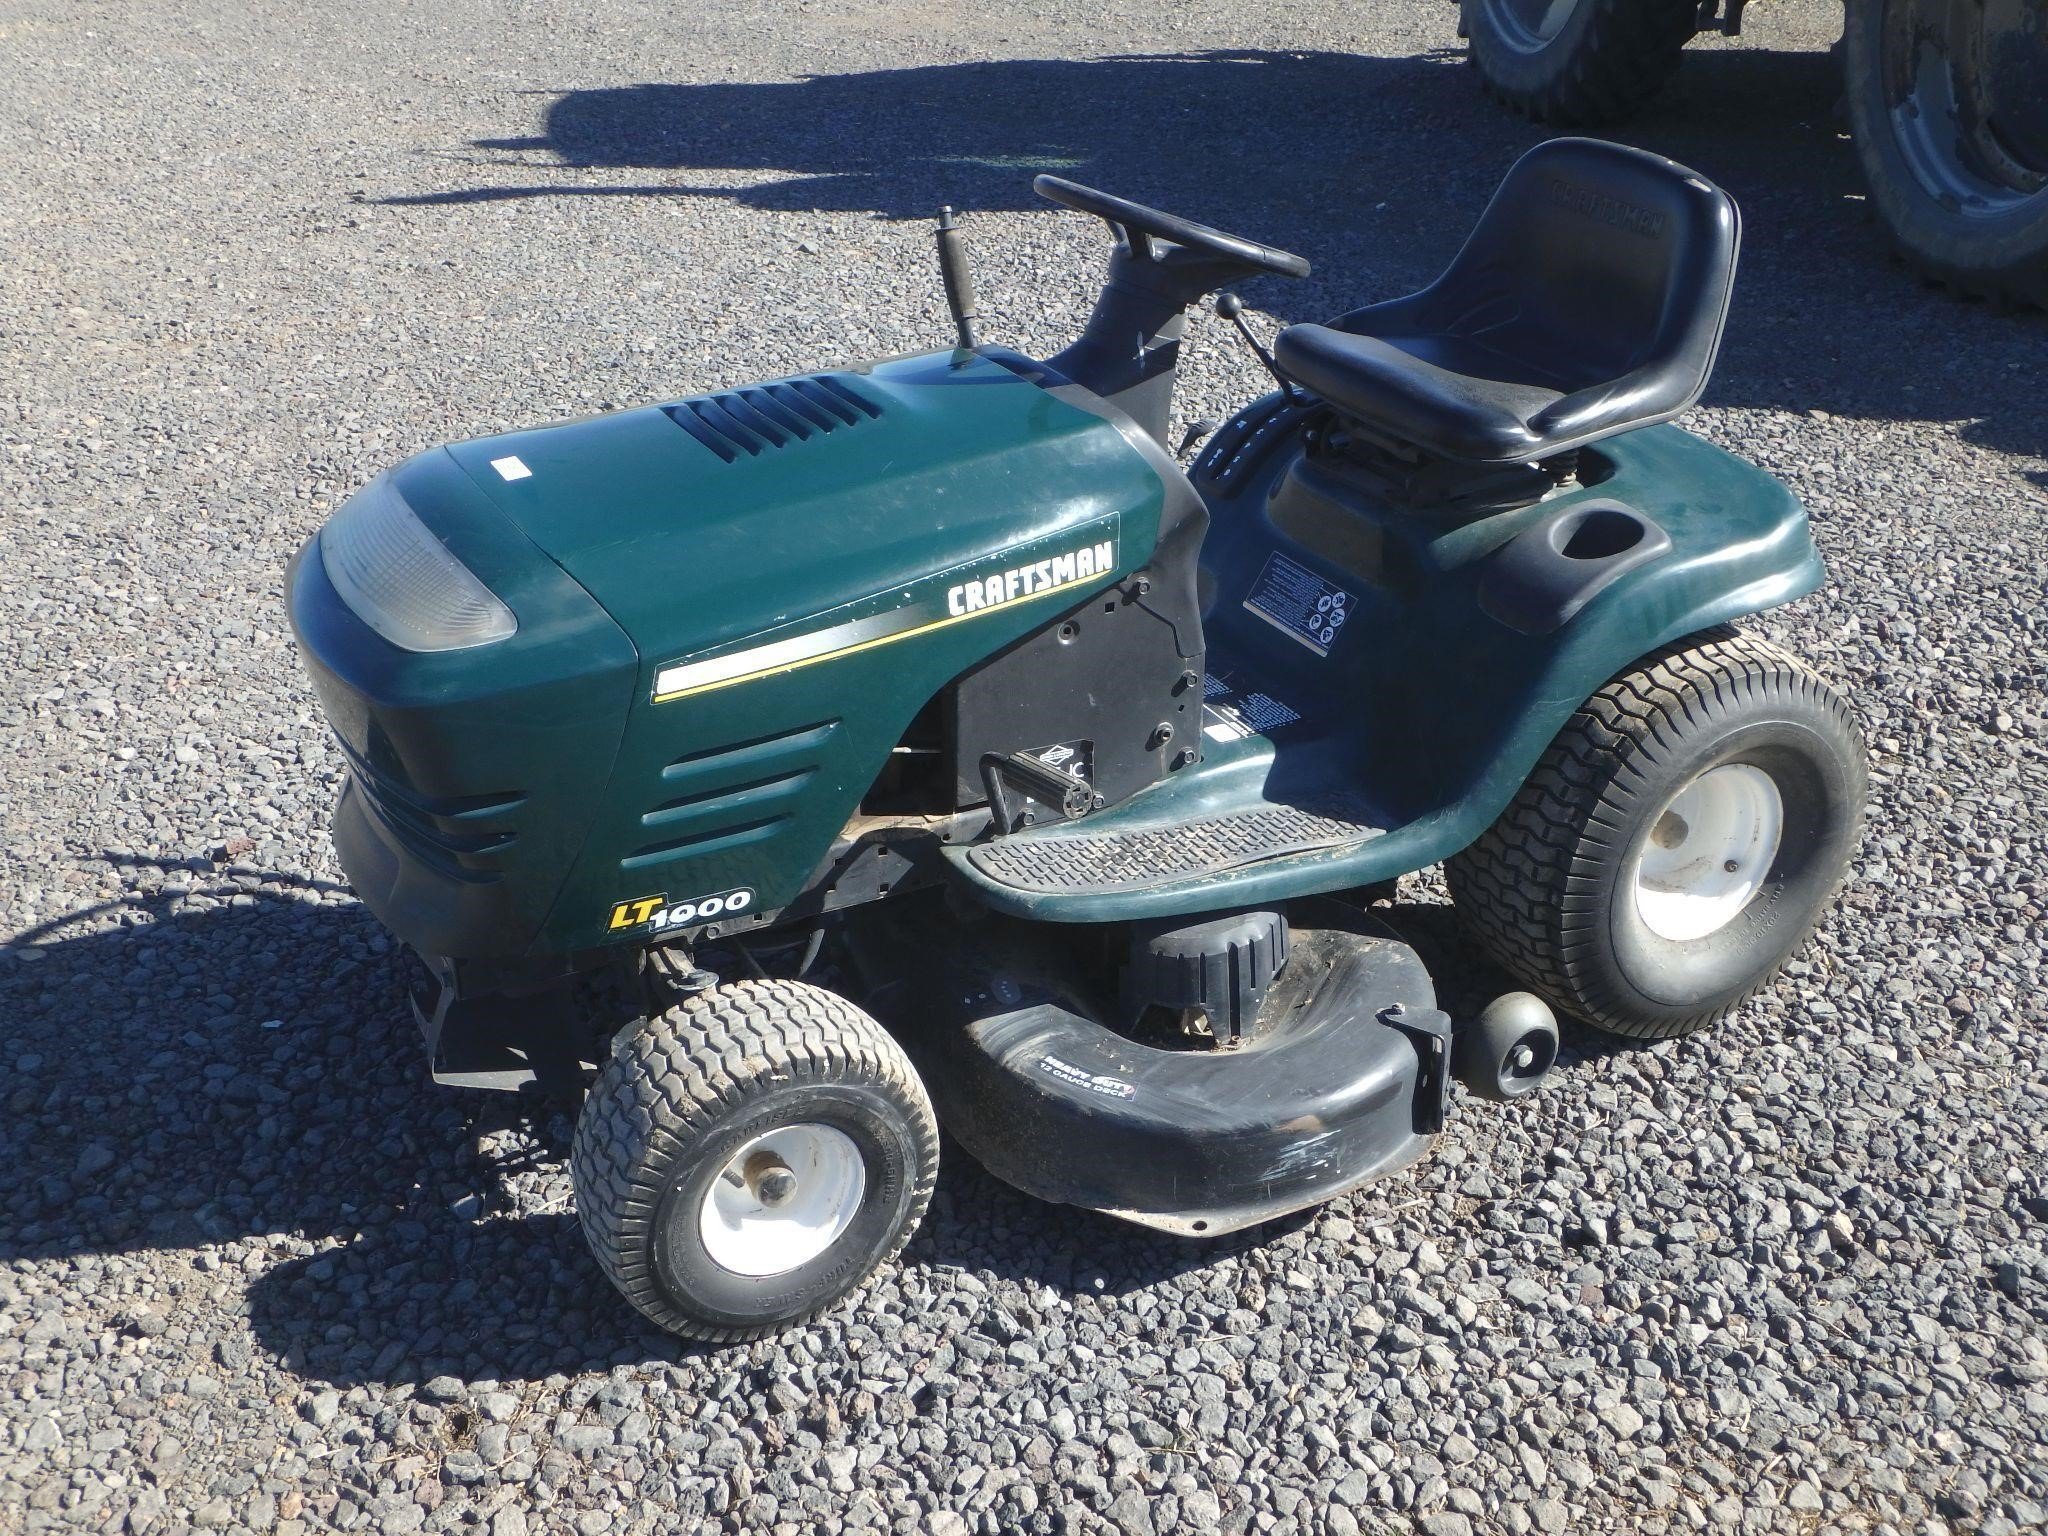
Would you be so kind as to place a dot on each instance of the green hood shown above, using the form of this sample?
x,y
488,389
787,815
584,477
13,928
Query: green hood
x,y
723,517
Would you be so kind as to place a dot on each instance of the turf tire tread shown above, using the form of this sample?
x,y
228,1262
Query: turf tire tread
x,y
1528,889
1627,51
679,1075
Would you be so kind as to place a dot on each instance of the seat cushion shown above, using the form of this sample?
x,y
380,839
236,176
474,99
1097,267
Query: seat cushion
x,y
1376,382
1588,300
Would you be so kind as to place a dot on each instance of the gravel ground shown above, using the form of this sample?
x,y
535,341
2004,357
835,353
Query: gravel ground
x,y
259,1274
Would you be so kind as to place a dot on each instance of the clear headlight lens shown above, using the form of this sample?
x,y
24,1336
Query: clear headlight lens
x,y
402,581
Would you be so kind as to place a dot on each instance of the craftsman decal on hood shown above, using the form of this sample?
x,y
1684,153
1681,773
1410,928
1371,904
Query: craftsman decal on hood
x,y
1067,562
1030,580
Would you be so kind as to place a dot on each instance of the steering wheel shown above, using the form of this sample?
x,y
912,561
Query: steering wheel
x,y
1139,226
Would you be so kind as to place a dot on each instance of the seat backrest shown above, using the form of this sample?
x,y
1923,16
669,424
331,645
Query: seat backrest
x,y
1597,260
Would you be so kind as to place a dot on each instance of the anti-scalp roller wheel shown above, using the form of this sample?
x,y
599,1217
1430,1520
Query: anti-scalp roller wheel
x,y
1507,1051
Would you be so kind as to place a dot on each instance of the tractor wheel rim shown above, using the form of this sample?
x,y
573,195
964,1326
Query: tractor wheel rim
x,y
1529,24
1965,104
782,1199
1708,852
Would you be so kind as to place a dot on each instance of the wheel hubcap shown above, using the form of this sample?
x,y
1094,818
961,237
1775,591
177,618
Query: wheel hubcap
x,y
1526,1063
1709,852
782,1199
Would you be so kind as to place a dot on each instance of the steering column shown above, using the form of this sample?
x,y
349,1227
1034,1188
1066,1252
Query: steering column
x,y
1129,352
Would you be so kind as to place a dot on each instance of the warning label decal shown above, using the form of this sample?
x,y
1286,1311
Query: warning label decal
x,y
1228,715
1300,604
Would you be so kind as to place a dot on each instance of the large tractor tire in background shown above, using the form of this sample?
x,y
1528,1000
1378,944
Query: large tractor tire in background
x,y
1577,62
1948,101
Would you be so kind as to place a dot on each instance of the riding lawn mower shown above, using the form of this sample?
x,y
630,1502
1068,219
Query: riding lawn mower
x,y
1081,771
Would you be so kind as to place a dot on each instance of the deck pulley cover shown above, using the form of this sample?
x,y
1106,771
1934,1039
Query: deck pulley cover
x,y
1218,966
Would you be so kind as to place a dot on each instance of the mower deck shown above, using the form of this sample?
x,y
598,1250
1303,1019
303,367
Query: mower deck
x,y
1342,1079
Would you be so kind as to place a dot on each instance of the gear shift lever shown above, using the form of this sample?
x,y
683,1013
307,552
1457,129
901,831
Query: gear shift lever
x,y
1230,307
958,280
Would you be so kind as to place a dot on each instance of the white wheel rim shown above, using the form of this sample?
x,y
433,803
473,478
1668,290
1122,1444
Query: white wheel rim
x,y
783,1199
1708,852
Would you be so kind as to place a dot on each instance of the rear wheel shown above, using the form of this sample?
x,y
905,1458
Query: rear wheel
x,y
1676,843
750,1156
1577,62
1949,105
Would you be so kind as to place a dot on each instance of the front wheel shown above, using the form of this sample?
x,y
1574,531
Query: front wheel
x,y
1676,843
750,1156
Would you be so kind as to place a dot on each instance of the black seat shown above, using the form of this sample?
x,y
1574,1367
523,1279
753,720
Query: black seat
x,y
1588,300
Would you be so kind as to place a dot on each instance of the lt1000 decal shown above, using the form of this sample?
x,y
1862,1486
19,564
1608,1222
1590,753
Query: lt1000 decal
x,y
659,915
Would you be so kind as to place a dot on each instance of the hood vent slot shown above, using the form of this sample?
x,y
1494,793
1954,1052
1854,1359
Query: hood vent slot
x,y
698,844
753,420
729,796
460,836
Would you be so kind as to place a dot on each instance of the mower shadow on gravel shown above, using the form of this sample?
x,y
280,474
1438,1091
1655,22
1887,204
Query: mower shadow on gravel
x,y
198,1076
240,1084
515,1299
1350,160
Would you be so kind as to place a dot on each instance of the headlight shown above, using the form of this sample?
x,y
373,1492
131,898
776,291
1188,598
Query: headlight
x,y
402,581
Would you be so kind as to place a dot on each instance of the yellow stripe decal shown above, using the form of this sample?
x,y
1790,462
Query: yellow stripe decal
x,y
845,650
683,680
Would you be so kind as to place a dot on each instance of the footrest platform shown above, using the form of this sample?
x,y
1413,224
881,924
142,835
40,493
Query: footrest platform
x,y
1059,861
